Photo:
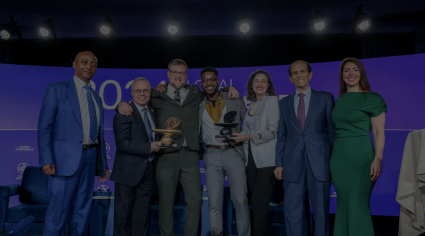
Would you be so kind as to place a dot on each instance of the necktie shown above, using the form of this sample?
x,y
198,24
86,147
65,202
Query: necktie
x,y
92,114
148,128
301,111
177,97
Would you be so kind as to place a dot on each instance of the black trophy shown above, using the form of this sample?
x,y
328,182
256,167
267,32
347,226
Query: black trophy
x,y
226,132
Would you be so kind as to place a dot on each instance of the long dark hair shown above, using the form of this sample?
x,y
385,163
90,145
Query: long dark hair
x,y
270,90
363,83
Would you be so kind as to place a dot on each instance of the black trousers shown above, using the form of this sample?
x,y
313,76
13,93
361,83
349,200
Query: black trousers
x,y
131,209
260,187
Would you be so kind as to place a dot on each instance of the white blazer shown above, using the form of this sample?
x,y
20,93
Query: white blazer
x,y
411,182
266,124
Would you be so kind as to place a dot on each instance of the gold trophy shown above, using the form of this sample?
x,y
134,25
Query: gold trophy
x,y
170,130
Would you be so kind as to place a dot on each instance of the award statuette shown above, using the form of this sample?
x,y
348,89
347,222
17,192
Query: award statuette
x,y
226,132
170,130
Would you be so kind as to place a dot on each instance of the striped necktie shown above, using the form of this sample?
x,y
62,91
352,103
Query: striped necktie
x,y
92,113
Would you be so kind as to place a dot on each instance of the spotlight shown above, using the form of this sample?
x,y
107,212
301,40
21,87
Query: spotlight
x,y
107,27
5,34
47,29
364,25
10,29
244,24
319,23
173,26
361,21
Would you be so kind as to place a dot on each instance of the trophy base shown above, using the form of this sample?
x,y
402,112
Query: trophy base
x,y
226,136
167,145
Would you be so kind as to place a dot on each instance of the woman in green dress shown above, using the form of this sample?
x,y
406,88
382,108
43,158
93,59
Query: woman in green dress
x,y
355,165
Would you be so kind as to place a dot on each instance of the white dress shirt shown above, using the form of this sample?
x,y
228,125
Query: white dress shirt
x,y
140,108
84,110
306,99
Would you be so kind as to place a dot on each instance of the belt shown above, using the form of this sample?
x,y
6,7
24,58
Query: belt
x,y
222,147
89,146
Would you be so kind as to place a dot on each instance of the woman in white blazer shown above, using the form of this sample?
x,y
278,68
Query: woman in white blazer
x,y
259,137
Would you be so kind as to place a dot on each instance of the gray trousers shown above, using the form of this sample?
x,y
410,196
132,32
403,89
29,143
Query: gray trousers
x,y
180,166
216,163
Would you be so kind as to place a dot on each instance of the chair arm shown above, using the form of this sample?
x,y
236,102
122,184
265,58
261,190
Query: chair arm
x,y
5,193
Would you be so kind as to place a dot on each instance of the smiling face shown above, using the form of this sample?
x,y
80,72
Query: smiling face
x,y
141,92
300,76
211,86
260,84
351,74
85,66
177,75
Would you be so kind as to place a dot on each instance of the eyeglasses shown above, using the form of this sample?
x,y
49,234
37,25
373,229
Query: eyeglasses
x,y
208,80
177,73
139,91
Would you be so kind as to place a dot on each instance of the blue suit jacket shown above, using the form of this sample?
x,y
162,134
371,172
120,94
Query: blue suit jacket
x,y
60,133
317,137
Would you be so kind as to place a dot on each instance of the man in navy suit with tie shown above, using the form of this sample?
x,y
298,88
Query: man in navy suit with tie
x,y
303,150
134,162
72,147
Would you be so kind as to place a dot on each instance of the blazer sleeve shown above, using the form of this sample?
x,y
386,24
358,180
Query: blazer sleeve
x,y
46,123
330,125
270,132
281,137
124,143
242,108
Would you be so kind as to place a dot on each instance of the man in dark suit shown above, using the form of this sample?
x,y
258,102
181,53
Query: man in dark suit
x,y
71,147
178,99
134,162
303,150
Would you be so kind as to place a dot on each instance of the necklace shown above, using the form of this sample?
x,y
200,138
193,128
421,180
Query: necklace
x,y
252,105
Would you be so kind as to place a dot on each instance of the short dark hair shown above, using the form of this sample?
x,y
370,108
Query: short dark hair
x,y
209,69
308,66
270,90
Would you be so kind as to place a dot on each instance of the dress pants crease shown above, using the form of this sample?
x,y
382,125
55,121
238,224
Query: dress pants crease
x,y
73,196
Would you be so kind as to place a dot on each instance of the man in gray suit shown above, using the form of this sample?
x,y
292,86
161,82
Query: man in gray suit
x,y
222,156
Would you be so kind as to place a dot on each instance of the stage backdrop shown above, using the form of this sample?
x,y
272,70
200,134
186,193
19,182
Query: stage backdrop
x,y
398,79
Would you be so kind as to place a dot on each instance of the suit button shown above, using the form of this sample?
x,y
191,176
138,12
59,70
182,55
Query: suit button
x,y
146,161
303,135
301,151
81,142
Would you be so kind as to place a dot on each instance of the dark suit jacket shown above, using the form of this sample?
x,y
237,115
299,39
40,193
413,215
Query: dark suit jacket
x,y
317,137
133,147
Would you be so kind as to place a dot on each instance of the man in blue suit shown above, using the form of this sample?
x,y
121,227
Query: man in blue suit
x,y
303,150
72,147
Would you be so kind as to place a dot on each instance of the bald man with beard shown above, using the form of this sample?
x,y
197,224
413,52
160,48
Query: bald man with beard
x,y
72,147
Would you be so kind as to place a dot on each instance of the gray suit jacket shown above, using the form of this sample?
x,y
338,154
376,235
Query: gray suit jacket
x,y
237,105
266,123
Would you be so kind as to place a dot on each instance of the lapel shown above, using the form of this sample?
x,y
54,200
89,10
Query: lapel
x,y
73,100
189,94
231,105
164,95
153,116
311,107
291,111
201,112
138,119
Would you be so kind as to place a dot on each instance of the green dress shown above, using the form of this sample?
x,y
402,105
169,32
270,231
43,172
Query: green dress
x,y
352,156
